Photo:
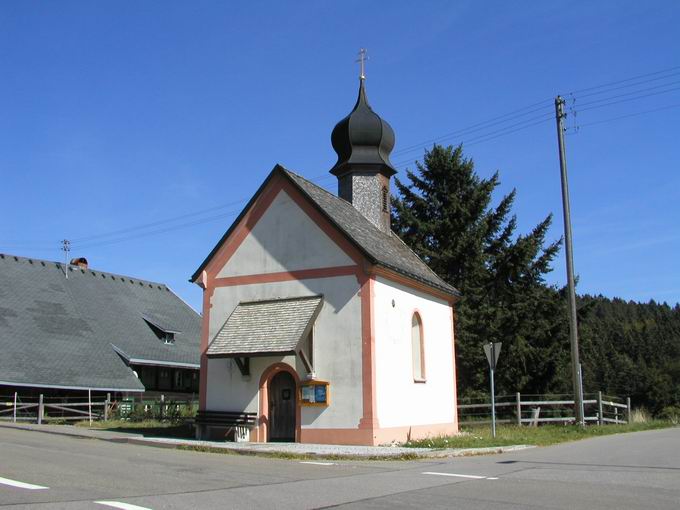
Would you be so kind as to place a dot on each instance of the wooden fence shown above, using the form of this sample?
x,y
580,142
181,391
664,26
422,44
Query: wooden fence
x,y
41,409
534,409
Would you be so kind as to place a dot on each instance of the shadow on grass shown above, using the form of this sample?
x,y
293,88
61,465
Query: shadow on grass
x,y
179,431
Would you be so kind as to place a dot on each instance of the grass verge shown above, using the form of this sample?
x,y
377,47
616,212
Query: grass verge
x,y
151,428
296,456
507,435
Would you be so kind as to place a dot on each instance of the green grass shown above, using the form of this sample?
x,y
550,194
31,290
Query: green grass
x,y
480,436
151,428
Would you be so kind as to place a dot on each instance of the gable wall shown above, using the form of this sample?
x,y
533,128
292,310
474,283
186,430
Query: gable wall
x,y
285,238
400,401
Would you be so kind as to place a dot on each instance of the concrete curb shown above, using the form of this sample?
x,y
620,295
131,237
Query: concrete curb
x,y
270,450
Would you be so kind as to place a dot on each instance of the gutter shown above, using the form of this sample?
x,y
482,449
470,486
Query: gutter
x,y
63,387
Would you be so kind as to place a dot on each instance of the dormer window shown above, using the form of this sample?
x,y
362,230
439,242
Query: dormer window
x,y
161,329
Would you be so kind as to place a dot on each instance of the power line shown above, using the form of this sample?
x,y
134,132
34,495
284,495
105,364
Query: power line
x,y
158,231
625,80
200,221
494,134
92,240
474,127
506,131
608,87
612,119
155,223
595,101
626,86
629,99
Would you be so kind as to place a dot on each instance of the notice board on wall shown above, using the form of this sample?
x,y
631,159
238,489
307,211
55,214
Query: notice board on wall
x,y
315,393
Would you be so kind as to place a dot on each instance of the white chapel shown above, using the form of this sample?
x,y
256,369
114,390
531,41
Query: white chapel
x,y
319,324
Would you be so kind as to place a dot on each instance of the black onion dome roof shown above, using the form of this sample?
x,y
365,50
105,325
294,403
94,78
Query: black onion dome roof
x,y
363,140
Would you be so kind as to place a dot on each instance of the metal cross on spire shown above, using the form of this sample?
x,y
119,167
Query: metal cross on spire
x,y
363,57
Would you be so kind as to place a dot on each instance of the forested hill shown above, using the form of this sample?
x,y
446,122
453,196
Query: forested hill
x,y
631,349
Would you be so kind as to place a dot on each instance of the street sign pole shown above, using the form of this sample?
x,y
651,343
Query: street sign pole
x,y
492,351
493,407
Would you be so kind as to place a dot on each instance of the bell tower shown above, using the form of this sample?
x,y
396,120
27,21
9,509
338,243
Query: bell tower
x,y
363,142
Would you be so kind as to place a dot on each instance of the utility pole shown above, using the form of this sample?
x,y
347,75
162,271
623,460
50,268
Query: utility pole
x,y
573,325
66,248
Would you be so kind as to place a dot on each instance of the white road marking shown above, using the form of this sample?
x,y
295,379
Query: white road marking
x,y
122,506
318,463
21,485
474,477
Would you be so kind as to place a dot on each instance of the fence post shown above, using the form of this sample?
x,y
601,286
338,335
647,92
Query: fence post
x,y
89,405
600,420
107,402
41,409
628,410
161,411
519,409
14,412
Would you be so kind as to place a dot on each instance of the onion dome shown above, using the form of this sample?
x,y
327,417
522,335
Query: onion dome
x,y
363,141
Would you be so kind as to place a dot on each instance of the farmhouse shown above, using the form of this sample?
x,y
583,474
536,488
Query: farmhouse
x,y
92,331
319,324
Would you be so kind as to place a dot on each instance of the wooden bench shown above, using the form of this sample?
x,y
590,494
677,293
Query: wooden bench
x,y
224,425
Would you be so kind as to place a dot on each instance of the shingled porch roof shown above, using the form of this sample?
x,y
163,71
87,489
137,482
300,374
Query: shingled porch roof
x,y
263,328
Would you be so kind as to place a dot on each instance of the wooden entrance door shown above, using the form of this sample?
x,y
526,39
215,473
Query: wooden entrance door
x,y
282,407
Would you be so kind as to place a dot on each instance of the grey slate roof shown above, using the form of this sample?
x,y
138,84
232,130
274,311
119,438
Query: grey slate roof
x,y
384,249
266,327
67,332
381,248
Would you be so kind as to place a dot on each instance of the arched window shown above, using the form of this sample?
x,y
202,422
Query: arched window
x,y
417,348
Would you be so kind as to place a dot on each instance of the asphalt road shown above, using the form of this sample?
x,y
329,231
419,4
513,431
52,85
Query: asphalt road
x,y
640,470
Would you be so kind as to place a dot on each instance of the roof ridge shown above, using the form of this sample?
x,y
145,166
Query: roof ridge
x,y
316,186
62,264
391,233
280,300
438,280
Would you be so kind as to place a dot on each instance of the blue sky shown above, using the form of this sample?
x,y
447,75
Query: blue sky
x,y
120,114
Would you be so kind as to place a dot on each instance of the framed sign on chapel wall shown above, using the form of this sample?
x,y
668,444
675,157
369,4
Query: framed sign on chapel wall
x,y
315,393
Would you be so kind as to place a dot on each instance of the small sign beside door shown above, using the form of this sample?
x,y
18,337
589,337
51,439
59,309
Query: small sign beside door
x,y
314,393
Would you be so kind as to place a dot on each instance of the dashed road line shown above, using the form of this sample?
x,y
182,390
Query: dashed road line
x,y
122,506
21,485
318,463
473,477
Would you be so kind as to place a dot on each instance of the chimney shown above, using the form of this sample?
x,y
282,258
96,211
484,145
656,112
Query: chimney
x,y
81,262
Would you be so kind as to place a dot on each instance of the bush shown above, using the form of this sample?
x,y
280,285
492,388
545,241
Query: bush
x,y
671,413
640,415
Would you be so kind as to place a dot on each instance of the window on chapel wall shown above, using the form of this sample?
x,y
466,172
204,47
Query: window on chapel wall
x,y
417,348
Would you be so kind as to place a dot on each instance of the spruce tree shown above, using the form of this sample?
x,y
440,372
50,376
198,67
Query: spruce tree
x,y
445,214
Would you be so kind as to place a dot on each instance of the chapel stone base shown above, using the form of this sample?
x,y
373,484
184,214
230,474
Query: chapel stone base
x,y
376,437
